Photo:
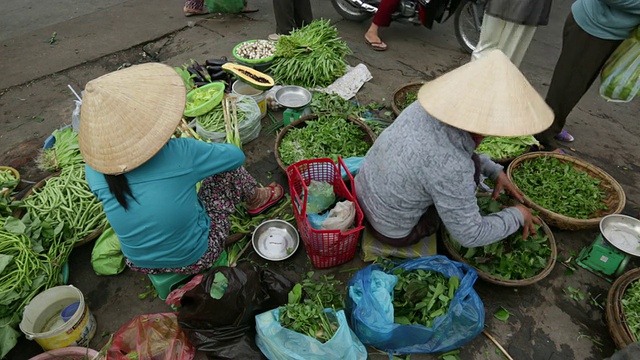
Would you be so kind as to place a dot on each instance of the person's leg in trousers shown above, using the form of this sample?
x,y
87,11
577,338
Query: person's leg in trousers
x,y
303,13
426,226
284,11
581,59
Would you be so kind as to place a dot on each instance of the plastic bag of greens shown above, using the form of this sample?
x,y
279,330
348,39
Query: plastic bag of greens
x,y
225,6
249,125
621,73
371,312
321,196
277,342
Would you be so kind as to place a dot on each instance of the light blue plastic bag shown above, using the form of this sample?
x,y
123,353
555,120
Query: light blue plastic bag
x,y
353,164
278,343
370,309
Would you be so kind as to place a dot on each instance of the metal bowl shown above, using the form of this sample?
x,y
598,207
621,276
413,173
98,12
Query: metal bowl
x,y
623,232
275,240
293,97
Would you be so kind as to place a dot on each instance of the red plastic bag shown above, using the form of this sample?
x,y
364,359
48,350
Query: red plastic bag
x,y
151,337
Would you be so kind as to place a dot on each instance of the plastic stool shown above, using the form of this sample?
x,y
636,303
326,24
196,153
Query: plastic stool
x,y
167,282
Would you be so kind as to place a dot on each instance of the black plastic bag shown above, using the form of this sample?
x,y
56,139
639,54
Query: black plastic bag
x,y
224,328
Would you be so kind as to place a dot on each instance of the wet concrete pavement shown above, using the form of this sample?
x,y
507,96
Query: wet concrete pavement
x,y
34,100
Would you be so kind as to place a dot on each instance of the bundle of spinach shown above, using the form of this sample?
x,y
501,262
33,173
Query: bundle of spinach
x,y
631,307
312,312
312,56
420,296
513,258
329,136
501,147
559,187
64,152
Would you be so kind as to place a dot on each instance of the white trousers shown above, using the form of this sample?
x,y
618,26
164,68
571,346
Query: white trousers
x,y
513,39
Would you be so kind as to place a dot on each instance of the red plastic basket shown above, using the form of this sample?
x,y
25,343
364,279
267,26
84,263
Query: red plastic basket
x,y
326,248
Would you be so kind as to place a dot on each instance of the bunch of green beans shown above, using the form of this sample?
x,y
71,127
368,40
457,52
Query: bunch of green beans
x,y
214,120
67,198
7,179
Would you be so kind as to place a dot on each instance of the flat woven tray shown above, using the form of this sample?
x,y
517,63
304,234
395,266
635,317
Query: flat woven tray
x,y
615,197
400,94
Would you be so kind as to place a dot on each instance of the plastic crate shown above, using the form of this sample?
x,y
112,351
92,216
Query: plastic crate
x,y
326,248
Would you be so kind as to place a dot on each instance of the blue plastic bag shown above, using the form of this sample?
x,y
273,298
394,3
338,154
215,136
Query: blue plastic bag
x,y
278,343
370,309
353,165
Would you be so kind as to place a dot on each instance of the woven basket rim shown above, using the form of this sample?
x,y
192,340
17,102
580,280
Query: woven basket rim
x,y
446,240
616,319
20,212
401,90
614,190
302,122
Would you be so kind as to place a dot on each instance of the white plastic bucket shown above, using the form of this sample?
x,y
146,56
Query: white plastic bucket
x,y
241,88
42,320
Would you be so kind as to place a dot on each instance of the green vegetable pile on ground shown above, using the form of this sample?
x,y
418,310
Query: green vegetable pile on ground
x,y
559,187
513,258
65,151
421,295
311,307
323,103
631,307
500,147
7,180
328,136
67,199
312,56
32,253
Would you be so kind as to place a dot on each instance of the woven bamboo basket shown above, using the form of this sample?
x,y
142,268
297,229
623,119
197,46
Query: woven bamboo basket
x,y
616,320
368,135
615,197
400,94
488,277
87,239
16,174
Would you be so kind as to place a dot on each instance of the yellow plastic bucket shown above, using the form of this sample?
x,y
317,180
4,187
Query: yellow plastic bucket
x,y
241,88
42,319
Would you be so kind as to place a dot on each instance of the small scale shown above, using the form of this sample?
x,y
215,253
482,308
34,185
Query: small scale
x,y
617,243
296,99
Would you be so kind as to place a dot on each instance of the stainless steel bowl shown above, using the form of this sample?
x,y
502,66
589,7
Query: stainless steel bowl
x,y
293,97
623,232
275,240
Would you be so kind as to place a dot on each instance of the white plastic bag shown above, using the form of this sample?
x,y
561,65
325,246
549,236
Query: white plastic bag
x,y
621,73
340,217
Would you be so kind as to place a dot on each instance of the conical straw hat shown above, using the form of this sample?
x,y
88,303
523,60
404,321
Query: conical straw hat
x,y
489,96
127,116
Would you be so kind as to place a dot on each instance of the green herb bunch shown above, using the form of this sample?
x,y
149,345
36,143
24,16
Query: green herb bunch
x,y
501,147
328,136
312,56
631,307
513,258
560,188
329,103
420,296
64,152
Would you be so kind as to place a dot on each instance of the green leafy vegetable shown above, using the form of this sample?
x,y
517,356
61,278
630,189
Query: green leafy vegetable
x,y
7,179
499,147
560,188
65,151
502,314
328,136
631,307
409,98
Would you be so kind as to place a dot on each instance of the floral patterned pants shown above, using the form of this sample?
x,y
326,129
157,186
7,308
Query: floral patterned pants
x,y
220,193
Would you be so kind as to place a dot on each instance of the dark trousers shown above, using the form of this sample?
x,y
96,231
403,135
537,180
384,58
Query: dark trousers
x,y
426,226
581,59
291,14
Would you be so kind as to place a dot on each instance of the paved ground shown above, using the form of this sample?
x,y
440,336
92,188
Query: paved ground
x,y
92,40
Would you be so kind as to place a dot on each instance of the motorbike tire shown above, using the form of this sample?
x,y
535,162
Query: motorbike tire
x,y
468,37
350,12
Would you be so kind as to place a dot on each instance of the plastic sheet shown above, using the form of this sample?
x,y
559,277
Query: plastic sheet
x,y
621,73
370,309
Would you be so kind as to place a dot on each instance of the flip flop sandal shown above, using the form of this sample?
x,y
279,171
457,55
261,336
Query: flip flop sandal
x,y
564,136
376,45
273,199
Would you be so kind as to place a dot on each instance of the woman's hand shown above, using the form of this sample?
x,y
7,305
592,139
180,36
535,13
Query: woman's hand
x,y
503,183
529,221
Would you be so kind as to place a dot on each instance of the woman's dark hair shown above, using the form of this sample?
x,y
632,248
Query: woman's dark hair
x,y
119,187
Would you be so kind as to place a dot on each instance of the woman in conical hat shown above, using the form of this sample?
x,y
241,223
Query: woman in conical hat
x,y
146,180
423,167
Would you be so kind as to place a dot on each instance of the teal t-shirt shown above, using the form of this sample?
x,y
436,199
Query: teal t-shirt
x,y
166,225
607,19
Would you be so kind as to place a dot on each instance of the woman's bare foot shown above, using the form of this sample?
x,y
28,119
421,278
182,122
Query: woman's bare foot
x,y
373,39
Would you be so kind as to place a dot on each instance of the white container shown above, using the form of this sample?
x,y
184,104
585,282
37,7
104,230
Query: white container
x,y
42,320
241,88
